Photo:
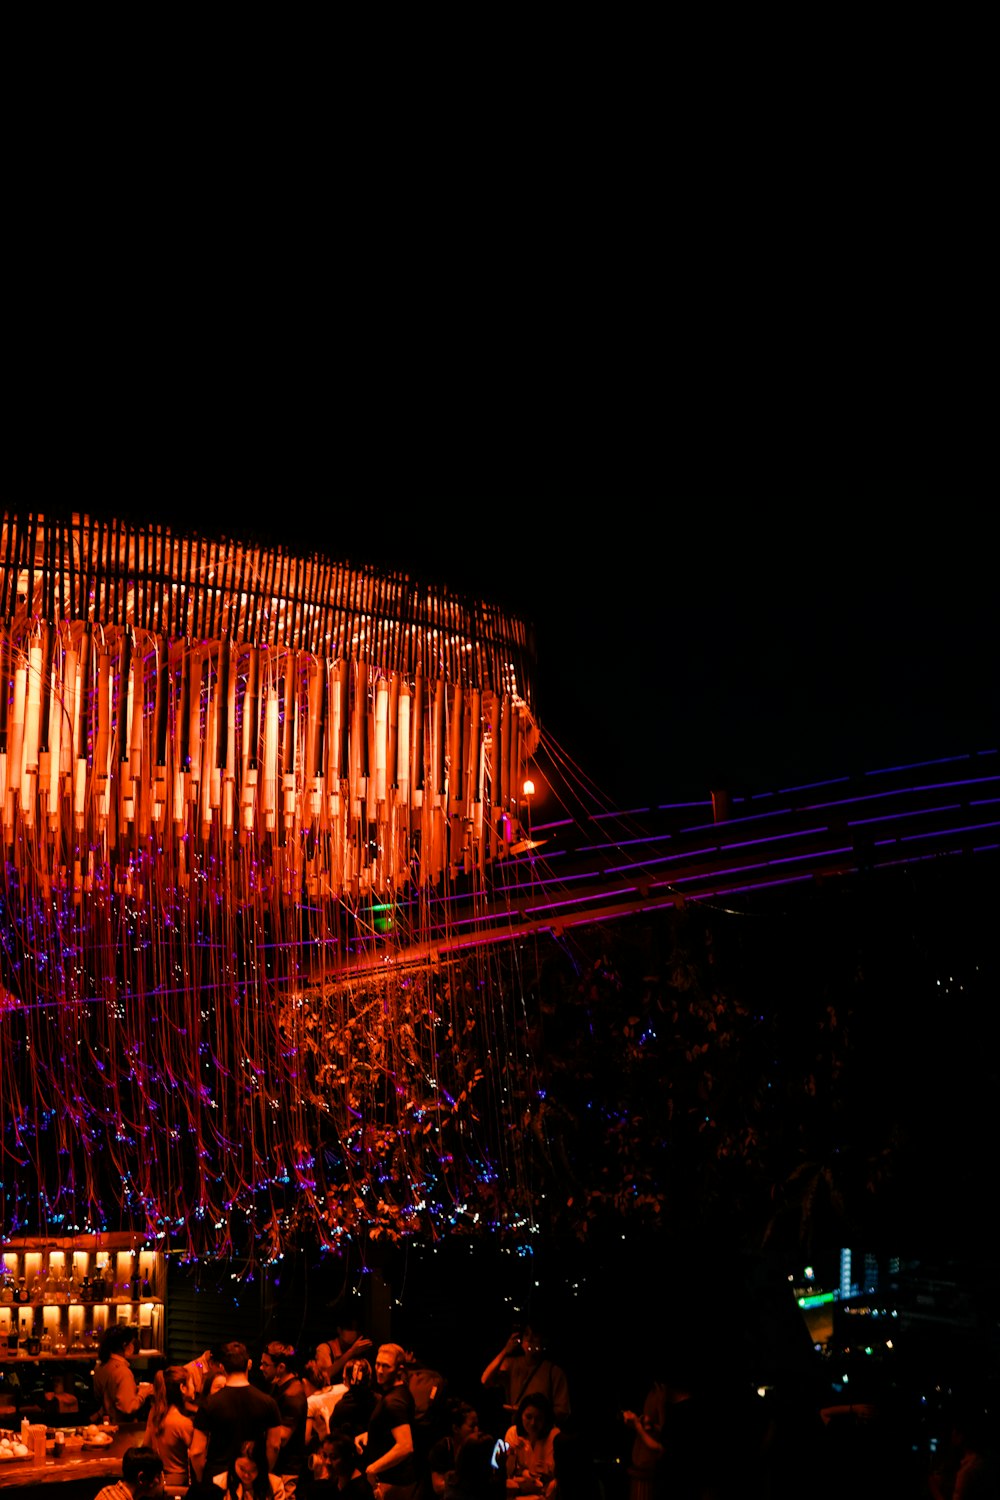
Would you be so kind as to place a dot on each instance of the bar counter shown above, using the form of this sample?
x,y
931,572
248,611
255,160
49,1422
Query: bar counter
x,y
76,1473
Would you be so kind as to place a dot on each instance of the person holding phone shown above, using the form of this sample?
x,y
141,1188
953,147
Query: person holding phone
x,y
522,1369
531,1464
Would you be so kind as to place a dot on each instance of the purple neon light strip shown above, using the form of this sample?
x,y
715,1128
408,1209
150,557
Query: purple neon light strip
x,y
795,833
720,849
704,895
694,895
900,791
688,879
531,911
847,802
944,760
919,859
765,864
894,817
808,786
713,890
651,838
627,890
940,833
659,838
736,890
638,811
542,882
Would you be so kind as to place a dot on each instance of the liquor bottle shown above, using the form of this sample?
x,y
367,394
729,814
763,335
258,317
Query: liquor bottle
x,y
34,1344
86,1291
147,1290
97,1286
21,1293
7,1288
135,1282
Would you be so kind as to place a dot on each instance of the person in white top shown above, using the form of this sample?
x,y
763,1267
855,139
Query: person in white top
x,y
531,1465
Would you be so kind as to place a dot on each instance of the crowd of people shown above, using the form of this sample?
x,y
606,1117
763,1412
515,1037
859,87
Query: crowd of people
x,y
351,1420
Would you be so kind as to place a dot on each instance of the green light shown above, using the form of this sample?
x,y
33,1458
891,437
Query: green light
x,y
816,1299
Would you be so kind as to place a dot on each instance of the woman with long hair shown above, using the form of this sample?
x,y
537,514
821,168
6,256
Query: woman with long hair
x,y
531,1466
463,1423
246,1480
169,1428
336,1470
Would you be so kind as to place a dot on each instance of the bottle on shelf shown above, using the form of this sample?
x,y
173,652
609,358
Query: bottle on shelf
x,y
98,1286
37,1279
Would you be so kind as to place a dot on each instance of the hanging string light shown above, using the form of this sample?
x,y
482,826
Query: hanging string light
x,y
226,775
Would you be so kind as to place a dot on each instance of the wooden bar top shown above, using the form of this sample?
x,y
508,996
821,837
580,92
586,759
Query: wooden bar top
x,y
74,1463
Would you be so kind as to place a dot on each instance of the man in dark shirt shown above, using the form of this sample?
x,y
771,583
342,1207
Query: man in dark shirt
x,y
349,1343
388,1444
522,1369
238,1419
279,1368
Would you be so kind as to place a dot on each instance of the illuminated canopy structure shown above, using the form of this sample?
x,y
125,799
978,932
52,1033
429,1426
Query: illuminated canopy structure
x,y
236,785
